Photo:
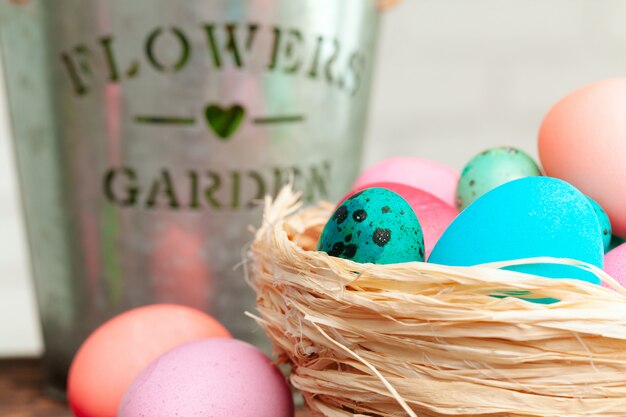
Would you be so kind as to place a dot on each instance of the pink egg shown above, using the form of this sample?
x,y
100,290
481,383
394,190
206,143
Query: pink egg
x,y
581,141
209,378
433,214
615,264
438,179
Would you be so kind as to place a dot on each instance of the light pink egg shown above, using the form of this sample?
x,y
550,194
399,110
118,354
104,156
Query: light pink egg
x,y
581,141
438,179
433,214
615,264
209,378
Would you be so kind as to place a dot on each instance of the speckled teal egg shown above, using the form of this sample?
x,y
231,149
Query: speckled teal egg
x,y
490,169
374,226
615,242
605,224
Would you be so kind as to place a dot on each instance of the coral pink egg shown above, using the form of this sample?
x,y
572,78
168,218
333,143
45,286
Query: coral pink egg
x,y
615,264
113,355
581,141
433,214
438,179
210,378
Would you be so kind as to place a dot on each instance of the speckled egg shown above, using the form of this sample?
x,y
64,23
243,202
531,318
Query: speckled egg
x,y
615,242
605,224
374,226
490,169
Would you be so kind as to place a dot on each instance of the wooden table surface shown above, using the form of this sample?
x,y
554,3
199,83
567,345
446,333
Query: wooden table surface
x,y
21,395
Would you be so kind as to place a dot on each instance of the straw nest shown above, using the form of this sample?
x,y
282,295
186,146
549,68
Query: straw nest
x,y
420,339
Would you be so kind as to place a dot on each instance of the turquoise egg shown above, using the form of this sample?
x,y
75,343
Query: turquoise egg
x,y
374,226
526,218
605,224
490,169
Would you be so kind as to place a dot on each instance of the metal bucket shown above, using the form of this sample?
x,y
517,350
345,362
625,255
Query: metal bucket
x,y
146,130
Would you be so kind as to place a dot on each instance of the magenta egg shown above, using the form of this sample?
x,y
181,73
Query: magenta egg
x,y
433,214
615,264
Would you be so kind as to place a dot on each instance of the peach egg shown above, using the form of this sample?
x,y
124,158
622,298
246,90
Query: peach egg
x,y
582,141
112,356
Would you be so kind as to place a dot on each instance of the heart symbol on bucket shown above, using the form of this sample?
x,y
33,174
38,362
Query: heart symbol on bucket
x,y
224,121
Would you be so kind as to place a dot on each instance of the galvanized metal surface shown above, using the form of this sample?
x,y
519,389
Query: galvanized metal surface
x,y
146,131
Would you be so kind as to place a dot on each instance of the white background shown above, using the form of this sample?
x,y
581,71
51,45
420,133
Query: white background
x,y
453,77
